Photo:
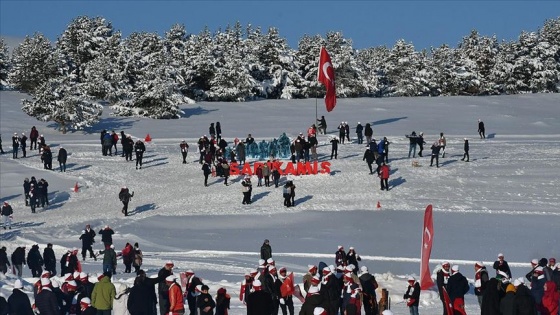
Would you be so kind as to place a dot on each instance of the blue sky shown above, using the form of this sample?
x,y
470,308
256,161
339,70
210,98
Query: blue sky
x,y
367,23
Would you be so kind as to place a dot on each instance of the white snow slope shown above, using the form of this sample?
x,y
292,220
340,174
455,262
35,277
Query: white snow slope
x,y
505,200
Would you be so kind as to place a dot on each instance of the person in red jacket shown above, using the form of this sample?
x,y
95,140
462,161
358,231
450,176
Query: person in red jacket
x,y
176,305
550,298
384,176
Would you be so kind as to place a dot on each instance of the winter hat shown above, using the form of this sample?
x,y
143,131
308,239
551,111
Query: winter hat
x,y
85,302
411,278
348,276
326,270
516,283
254,272
534,262
169,263
283,269
500,255
83,276
340,247
455,268
349,268
351,248
387,312
257,283
510,288
189,272
112,246
363,269
262,262
311,267
45,274
539,270
315,280
170,278
271,269
45,282
68,277
72,285
18,284
76,275
552,261
270,261
313,290
479,264
319,311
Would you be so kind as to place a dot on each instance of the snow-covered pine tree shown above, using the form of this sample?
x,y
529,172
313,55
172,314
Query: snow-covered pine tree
x,y
61,100
309,48
4,64
200,65
32,63
146,89
402,68
478,53
232,80
370,61
348,76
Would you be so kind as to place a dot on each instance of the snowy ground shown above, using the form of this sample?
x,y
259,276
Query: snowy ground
x,y
505,200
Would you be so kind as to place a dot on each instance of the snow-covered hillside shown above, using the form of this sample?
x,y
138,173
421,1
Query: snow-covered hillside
x,y
505,200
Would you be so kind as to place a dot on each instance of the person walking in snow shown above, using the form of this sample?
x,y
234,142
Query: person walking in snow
x,y
421,142
359,133
341,132
347,131
481,129
184,150
466,148
218,131
50,259
7,213
206,170
33,136
47,157
128,147
106,236
88,238
334,147
123,141
114,140
442,143
61,158
247,189
435,153
15,145
124,197
139,148
384,176
23,144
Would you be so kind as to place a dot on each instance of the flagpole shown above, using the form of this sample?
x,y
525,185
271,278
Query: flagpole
x,y
316,116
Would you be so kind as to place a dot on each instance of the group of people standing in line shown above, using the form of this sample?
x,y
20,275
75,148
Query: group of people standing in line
x,y
110,140
37,141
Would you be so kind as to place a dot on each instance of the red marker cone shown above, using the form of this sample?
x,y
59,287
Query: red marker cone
x,y
76,187
148,138
378,205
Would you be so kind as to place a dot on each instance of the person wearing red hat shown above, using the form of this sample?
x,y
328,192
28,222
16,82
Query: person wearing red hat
x,y
537,285
246,286
46,301
163,288
175,298
70,303
457,287
313,301
271,285
86,308
340,256
259,302
330,290
192,283
502,265
311,272
442,276
480,280
222,302
412,295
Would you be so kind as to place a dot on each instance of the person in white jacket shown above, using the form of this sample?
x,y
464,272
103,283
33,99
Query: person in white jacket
x,y
121,299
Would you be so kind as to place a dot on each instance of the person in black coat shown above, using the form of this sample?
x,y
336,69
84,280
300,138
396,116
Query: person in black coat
x,y
369,157
412,295
163,288
139,148
481,129
193,281
46,301
524,303
61,158
88,238
23,144
334,147
466,148
457,287
266,250
142,298
47,158
258,302
491,297
35,261
502,265
359,133
124,197
106,236
18,259
15,145
49,259
18,302
26,189
123,142
435,153
218,131
128,147
206,170
420,141
4,262
247,189
322,125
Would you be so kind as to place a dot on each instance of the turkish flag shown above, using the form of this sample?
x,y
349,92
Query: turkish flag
x,y
426,281
287,287
325,75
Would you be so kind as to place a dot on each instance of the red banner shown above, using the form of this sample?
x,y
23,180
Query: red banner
x,y
426,281
325,75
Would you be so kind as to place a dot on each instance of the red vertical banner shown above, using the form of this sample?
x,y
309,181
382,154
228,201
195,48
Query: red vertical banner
x,y
426,281
325,75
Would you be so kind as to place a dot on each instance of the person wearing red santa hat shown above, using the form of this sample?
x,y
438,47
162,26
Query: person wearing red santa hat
x,y
86,308
46,301
412,295
259,302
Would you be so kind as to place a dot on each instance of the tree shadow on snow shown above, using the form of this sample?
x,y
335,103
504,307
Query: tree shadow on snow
x,y
386,121
396,182
8,198
9,235
349,156
112,123
142,208
188,112
260,195
302,199
79,168
155,160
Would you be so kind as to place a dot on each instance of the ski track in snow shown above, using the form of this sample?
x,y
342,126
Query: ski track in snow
x,y
510,184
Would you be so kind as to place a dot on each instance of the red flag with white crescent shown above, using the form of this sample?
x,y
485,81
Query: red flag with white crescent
x,y
426,281
325,75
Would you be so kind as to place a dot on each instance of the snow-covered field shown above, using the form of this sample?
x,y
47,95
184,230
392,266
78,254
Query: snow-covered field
x,y
505,200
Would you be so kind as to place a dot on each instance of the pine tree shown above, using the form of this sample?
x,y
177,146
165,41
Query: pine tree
x,y
61,100
4,64
32,63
